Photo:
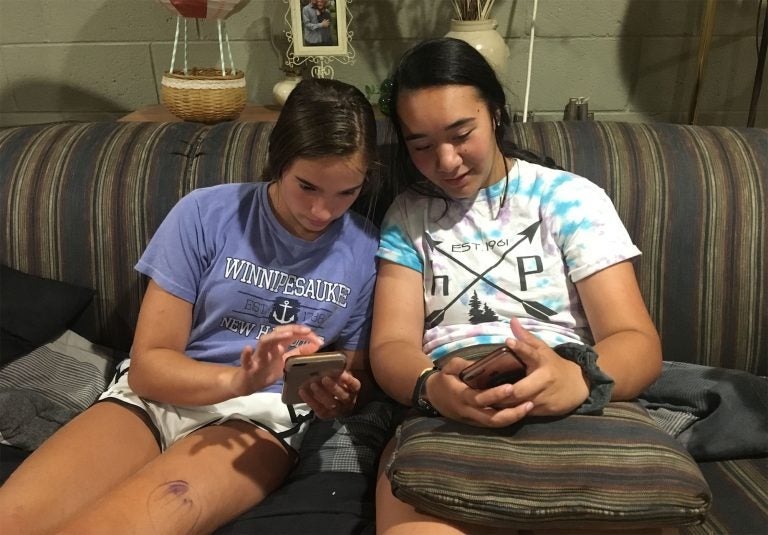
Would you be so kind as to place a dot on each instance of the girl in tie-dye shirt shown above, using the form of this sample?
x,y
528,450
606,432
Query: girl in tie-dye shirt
x,y
489,245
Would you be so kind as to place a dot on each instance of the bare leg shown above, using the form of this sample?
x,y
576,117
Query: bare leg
x,y
90,455
198,484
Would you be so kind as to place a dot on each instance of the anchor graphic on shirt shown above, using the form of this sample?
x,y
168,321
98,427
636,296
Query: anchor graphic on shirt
x,y
287,310
537,310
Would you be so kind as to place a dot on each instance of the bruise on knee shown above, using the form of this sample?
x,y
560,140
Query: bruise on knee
x,y
174,503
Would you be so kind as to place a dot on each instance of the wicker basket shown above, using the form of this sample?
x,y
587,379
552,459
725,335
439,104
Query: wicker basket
x,y
204,95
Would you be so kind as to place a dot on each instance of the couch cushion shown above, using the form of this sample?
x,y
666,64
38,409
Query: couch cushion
x,y
106,187
35,310
739,498
615,470
43,390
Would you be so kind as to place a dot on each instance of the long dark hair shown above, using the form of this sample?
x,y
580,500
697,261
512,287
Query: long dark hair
x,y
448,61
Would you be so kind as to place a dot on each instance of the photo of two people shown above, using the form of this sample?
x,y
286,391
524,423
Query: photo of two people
x,y
318,21
319,27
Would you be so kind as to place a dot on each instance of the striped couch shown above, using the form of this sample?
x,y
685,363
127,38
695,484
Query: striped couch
x,y
79,201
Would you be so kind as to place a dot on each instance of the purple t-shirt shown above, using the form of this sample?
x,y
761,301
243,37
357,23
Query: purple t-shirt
x,y
221,249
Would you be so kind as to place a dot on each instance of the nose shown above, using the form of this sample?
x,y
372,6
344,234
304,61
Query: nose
x,y
321,211
448,158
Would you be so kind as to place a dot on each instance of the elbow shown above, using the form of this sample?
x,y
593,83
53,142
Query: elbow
x,y
375,353
649,369
136,382
136,377
657,359
634,375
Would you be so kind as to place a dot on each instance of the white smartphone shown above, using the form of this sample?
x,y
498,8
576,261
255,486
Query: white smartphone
x,y
301,368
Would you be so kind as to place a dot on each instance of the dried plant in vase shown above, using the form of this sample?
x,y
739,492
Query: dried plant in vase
x,y
472,22
472,9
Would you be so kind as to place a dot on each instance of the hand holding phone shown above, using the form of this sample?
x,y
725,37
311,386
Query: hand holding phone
x,y
496,368
302,368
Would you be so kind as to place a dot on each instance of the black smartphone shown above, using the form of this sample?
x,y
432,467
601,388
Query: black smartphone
x,y
496,368
301,368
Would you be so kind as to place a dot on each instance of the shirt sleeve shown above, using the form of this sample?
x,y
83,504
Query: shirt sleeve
x,y
587,227
357,332
395,244
175,257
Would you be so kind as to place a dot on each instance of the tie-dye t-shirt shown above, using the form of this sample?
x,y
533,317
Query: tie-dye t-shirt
x,y
483,263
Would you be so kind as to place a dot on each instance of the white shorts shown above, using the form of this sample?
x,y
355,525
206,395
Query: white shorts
x,y
169,423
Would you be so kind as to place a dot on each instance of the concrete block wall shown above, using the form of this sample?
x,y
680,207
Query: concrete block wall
x,y
634,59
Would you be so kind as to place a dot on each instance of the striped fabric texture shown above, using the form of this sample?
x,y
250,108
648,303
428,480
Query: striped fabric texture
x,y
740,505
80,201
615,470
695,200
69,371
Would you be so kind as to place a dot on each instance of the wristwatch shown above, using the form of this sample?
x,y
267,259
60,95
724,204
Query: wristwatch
x,y
420,403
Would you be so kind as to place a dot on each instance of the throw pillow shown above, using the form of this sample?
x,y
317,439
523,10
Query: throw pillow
x,y
41,391
614,470
34,310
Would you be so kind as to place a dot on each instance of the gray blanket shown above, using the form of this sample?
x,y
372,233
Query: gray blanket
x,y
716,413
28,418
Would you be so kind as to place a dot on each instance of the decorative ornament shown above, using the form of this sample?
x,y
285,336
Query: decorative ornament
x,y
204,94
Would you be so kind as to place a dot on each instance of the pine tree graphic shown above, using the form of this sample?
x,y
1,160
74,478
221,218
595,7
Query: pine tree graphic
x,y
489,314
480,312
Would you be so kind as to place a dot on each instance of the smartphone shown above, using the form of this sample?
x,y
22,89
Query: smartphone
x,y
496,368
301,368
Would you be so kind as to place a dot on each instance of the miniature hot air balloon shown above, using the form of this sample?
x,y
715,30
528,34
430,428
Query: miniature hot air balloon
x,y
203,94
202,9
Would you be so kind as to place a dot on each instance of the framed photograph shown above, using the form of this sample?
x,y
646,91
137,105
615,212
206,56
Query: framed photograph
x,y
319,27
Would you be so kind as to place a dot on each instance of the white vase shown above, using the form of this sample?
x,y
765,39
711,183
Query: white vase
x,y
283,88
482,35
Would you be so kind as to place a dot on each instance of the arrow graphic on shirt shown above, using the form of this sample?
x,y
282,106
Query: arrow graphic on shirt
x,y
537,310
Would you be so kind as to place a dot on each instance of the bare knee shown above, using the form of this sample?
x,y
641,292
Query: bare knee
x,y
176,502
16,518
16,515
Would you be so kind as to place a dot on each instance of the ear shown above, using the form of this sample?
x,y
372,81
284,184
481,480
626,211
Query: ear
x,y
496,115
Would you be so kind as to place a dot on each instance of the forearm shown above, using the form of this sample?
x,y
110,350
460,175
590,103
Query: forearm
x,y
632,359
396,366
168,376
397,358
627,343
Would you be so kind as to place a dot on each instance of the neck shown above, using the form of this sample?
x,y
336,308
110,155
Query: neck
x,y
501,167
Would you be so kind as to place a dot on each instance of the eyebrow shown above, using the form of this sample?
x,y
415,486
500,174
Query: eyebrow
x,y
310,184
455,124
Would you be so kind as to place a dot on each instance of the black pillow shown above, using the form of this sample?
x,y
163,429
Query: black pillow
x,y
35,310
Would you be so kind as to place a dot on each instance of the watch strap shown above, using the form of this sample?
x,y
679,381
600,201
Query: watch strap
x,y
417,400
